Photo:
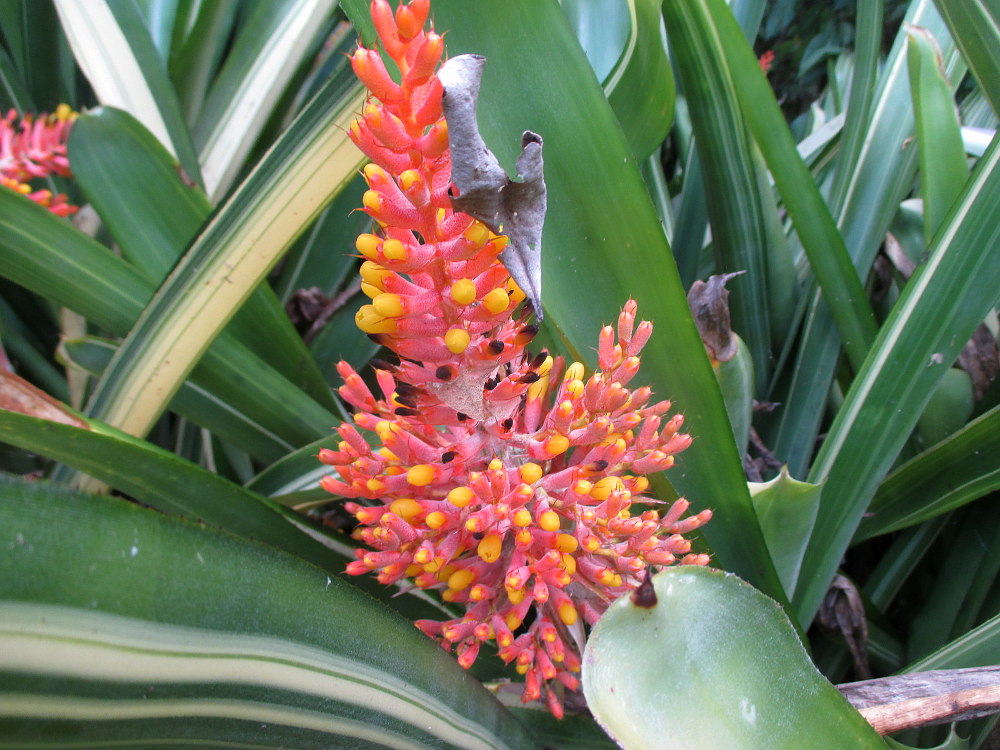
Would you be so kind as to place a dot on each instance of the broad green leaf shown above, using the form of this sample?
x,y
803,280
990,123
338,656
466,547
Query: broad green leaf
x,y
265,54
161,632
828,257
727,667
787,511
134,185
38,57
48,256
939,139
231,256
194,402
641,87
165,481
624,44
952,473
325,256
944,301
116,52
152,215
53,259
177,487
735,209
600,232
975,25
603,242
603,28
879,178
949,408
200,36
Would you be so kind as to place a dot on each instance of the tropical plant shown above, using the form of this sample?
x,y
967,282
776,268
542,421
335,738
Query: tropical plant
x,y
173,572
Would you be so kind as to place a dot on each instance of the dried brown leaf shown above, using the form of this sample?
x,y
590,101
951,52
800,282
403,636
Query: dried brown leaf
x,y
485,192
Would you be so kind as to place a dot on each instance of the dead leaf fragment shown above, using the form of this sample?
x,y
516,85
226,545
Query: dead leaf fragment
x,y
709,303
18,395
485,192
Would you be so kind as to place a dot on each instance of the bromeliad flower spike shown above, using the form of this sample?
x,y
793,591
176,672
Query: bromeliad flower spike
x,y
509,484
35,147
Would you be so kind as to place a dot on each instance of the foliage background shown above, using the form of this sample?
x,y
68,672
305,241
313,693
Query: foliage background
x,y
193,316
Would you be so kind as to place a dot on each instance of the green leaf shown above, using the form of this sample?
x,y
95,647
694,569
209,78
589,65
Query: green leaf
x,y
603,28
787,511
968,568
943,303
975,25
201,32
13,90
160,632
572,732
39,55
640,88
133,184
603,242
231,256
729,669
979,647
48,256
735,378
949,408
296,472
175,486
899,561
864,76
265,53
735,209
952,473
880,176
224,419
623,42
828,257
168,483
115,51
939,139
322,257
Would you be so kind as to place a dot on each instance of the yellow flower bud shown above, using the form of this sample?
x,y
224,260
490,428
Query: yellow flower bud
x,y
489,547
420,475
457,340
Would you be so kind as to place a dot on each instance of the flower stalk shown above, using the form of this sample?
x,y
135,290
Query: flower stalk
x,y
508,482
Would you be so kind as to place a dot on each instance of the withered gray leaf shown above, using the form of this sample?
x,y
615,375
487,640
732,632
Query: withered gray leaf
x,y
709,303
513,208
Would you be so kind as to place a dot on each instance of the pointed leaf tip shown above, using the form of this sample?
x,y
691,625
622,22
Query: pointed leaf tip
x,y
514,208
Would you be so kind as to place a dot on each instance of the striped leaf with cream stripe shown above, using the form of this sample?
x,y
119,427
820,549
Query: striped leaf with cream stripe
x,y
239,646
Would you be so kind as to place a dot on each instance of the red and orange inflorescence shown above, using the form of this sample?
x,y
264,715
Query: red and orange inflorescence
x,y
506,481
34,147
